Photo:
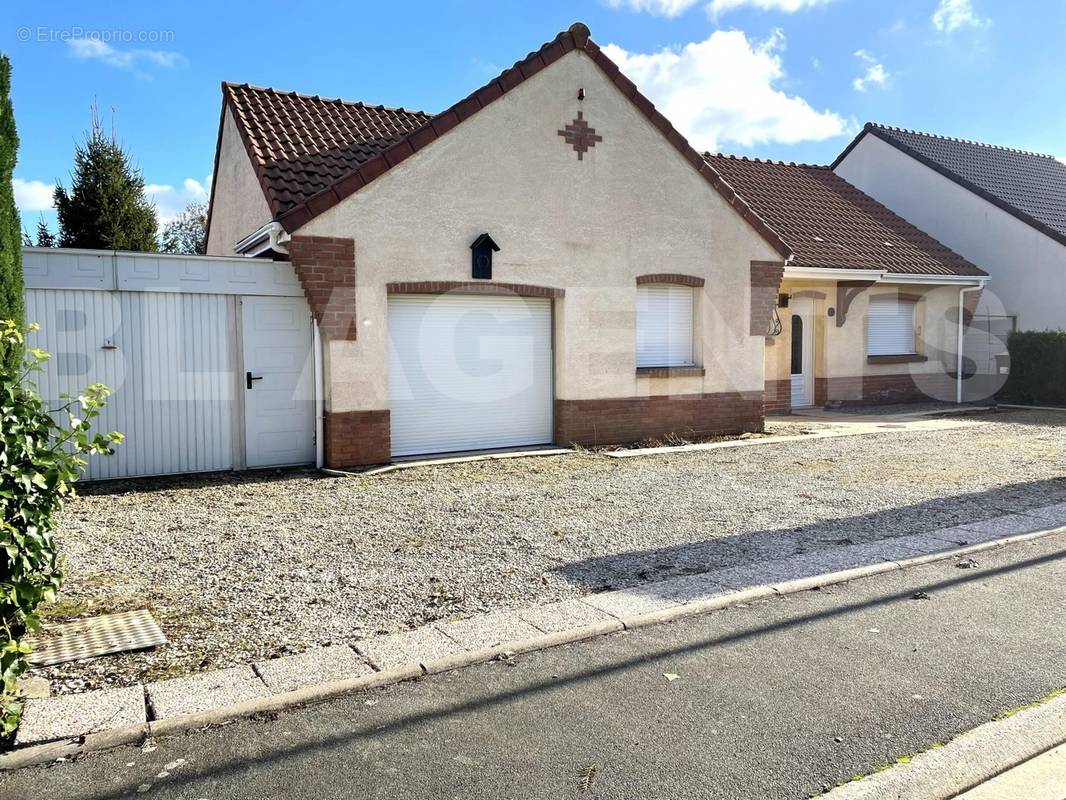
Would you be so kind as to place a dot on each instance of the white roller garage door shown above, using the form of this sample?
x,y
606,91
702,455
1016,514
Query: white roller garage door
x,y
469,372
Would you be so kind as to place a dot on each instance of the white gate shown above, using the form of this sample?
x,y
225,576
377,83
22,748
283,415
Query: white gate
x,y
163,333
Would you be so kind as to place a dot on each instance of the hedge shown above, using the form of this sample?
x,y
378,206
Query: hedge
x,y
1037,369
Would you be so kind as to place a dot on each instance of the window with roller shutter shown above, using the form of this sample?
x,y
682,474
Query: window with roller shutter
x,y
664,325
890,327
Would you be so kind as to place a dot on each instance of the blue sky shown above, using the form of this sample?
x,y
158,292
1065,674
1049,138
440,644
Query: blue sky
x,y
785,79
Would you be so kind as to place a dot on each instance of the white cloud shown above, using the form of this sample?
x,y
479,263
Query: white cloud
x,y
662,8
950,15
32,195
723,90
672,8
171,201
874,72
96,50
784,6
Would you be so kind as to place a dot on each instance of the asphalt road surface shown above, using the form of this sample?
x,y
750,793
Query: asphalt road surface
x,y
781,698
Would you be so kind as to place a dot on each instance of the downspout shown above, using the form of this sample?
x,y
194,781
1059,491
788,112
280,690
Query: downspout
x,y
319,384
959,341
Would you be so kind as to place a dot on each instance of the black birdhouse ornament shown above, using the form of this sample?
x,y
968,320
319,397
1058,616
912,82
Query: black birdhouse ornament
x,y
482,250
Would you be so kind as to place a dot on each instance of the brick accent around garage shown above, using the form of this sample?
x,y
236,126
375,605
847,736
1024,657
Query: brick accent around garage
x,y
765,283
631,419
778,397
357,438
326,268
473,287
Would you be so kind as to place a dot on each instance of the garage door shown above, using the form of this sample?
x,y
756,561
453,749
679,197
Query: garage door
x,y
469,372
166,356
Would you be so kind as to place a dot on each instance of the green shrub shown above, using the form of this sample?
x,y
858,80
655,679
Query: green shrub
x,y
40,459
1037,369
11,284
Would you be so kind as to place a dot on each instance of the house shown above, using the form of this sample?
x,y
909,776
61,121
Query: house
x,y
620,304
1001,208
549,260
868,309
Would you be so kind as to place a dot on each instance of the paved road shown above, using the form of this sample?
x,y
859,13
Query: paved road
x,y
772,700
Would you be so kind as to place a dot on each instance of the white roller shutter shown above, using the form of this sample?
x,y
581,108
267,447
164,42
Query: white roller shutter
x,y
890,327
664,326
469,372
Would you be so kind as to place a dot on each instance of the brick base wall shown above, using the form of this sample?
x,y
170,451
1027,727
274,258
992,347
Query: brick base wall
x,y
357,438
630,419
778,397
883,389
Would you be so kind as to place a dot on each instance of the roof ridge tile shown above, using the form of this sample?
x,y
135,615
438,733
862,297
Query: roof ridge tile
x,y
958,139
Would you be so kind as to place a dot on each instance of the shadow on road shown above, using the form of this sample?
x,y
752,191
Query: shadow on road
x,y
636,567
279,752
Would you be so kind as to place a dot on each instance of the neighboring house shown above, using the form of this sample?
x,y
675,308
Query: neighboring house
x,y
1001,208
549,260
869,303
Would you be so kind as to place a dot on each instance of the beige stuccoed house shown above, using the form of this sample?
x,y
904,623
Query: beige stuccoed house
x,y
548,260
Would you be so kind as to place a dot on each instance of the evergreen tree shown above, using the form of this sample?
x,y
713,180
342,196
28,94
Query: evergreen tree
x,y
45,238
187,233
106,207
11,286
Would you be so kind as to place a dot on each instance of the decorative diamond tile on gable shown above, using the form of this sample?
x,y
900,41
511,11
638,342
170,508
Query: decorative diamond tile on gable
x,y
580,136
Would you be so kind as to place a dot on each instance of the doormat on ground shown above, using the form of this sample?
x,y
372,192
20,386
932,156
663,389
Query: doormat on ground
x,y
96,636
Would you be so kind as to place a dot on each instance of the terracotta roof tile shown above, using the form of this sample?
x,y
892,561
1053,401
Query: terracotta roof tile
x,y
829,223
310,153
301,144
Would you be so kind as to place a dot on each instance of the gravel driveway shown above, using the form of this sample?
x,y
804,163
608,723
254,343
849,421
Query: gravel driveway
x,y
242,567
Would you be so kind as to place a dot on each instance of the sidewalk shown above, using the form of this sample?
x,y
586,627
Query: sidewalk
x,y
113,717
779,698
1040,778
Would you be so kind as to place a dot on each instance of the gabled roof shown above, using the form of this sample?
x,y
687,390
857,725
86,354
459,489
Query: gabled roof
x,y
311,153
301,144
1029,186
831,224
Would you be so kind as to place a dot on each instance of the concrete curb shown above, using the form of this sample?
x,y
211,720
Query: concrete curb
x,y
871,429
103,740
1031,408
968,760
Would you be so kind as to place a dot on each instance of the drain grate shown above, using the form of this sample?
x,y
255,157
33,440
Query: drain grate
x,y
96,636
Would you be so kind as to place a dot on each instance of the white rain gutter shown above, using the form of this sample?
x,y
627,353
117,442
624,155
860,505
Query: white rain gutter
x,y
268,237
877,275
901,277
320,397
959,343
827,274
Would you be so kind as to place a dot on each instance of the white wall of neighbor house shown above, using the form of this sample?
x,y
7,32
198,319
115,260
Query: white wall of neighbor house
x,y
238,205
632,206
1028,268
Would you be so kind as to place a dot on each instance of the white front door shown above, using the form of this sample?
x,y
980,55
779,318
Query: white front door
x,y
469,372
279,415
802,352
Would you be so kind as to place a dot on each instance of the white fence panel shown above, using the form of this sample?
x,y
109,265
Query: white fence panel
x,y
167,356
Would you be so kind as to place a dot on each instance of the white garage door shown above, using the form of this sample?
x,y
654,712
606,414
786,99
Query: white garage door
x,y
469,372
167,358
